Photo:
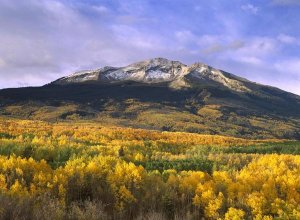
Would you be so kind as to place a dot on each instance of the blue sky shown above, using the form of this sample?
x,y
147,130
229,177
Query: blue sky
x,y
42,40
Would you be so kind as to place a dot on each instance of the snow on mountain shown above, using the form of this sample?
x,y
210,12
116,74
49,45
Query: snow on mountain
x,y
158,70
204,72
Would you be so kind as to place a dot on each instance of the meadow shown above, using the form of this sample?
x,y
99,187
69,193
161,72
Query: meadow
x,y
81,170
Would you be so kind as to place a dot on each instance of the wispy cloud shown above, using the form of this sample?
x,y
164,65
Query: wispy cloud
x,y
291,65
100,8
286,2
2,63
250,60
287,39
217,47
250,8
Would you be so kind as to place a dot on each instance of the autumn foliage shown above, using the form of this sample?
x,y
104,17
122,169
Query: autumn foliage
x,y
76,171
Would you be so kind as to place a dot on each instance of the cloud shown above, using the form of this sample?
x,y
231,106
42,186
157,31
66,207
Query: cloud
x,y
250,8
185,36
259,47
290,66
207,44
286,2
44,40
218,48
133,19
287,39
2,63
215,48
251,46
100,8
136,39
249,59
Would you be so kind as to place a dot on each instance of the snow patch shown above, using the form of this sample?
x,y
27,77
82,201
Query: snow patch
x,y
158,74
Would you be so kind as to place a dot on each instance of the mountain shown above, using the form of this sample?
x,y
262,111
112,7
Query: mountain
x,y
158,70
162,94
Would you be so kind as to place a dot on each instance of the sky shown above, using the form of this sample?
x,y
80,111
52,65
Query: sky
x,y
42,40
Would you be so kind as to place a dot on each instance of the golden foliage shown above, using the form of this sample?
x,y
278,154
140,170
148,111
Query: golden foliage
x,y
80,162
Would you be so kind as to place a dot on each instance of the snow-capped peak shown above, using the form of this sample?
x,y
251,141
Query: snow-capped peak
x,y
158,70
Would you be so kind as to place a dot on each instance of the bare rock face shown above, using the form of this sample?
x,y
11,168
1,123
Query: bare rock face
x,y
204,72
158,70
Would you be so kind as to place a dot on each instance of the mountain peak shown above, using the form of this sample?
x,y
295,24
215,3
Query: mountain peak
x,y
158,70
157,62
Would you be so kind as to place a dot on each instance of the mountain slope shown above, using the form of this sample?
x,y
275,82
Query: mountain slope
x,y
162,94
